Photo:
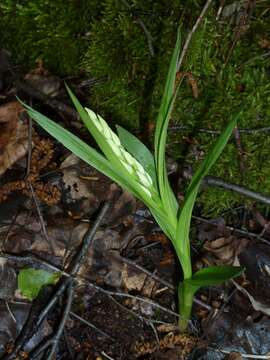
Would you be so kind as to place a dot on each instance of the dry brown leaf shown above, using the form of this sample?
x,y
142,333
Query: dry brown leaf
x,y
13,135
226,249
132,279
264,43
71,177
43,81
234,356
182,343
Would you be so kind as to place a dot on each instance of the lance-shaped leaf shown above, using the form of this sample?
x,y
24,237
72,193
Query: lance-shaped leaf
x,y
213,275
183,227
86,153
111,146
210,276
163,118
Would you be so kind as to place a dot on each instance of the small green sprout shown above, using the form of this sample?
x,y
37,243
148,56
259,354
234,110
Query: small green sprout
x,y
128,162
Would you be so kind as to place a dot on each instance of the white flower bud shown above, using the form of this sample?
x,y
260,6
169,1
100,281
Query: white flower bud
x,y
133,167
130,159
115,148
148,192
94,117
145,179
127,166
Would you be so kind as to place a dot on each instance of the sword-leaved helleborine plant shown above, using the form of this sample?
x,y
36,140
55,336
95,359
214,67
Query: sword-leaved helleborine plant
x,y
128,162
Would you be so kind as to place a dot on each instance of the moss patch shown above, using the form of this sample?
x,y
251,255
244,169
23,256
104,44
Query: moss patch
x,y
227,63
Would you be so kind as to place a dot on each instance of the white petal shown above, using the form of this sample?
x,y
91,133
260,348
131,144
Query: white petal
x,y
115,138
129,158
127,167
145,179
139,167
115,148
95,119
147,192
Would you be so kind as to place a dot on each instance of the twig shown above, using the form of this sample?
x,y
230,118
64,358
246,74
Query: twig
x,y
68,282
33,259
92,326
142,269
63,284
10,226
42,223
29,154
143,26
246,356
39,349
213,181
138,298
87,240
189,37
233,229
158,279
106,356
64,319
218,132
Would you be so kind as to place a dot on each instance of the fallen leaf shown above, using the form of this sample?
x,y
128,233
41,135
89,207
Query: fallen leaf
x,y
226,249
31,281
13,135
13,317
234,356
132,279
8,280
258,306
43,81
264,43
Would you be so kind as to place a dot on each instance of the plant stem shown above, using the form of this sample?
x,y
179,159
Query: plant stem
x,y
185,299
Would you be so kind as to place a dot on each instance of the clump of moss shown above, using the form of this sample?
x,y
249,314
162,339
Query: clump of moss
x,y
229,80
55,31
106,40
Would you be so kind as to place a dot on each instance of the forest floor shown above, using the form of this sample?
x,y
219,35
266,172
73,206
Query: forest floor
x,y
116,294
113,292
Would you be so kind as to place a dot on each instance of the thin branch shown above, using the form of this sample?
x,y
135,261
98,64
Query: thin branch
x,y
193,30
64,319
138,298
246,356
158,279
30,136
106,356
41,220
88,240
233,229
148,36
92,326
218,132
67,282
213,181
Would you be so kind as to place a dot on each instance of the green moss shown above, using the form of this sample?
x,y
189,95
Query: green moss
x,y
105,40
54,31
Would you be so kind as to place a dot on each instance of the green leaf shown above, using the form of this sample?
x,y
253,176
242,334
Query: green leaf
x,y
88,121
87,118
31,281
140,152
93,158
85,152
215,275
184,219
163,118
